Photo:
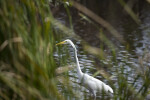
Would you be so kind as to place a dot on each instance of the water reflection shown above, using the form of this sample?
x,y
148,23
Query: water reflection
x,y
137,43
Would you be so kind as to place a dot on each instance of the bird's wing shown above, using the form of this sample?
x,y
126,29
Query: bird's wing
x,y
89,82
96,84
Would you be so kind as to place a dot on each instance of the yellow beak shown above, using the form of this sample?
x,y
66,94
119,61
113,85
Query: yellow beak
x,y
61,43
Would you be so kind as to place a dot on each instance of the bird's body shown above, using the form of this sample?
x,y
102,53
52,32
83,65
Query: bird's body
x,y
93,84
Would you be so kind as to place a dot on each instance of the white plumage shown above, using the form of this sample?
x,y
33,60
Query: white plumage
x,y
93,84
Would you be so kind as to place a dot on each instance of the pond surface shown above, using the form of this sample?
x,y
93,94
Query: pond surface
x,y
136,45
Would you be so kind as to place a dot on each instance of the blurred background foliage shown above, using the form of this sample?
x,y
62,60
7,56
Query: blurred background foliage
x,y
31,65
27,43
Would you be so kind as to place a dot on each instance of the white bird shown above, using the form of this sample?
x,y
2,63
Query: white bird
x,y
93,84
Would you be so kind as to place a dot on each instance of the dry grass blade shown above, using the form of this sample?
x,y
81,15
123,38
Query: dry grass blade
x,y
98,19
129,10
103,73
17,84
96,51
148,1
61,70
6,42
59,25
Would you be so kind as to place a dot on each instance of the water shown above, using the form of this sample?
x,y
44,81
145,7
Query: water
x,y
136,46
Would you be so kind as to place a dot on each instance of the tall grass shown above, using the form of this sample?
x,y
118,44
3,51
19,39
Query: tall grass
x,y
27,65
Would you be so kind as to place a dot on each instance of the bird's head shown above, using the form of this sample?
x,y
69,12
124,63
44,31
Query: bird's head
x,y
67,41
64,42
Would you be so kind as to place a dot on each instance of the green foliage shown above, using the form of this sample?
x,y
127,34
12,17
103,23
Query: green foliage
x,y
27,65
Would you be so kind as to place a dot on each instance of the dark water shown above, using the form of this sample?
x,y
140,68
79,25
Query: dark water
x,y
136,37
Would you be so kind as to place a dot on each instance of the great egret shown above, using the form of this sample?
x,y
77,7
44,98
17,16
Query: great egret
x,y
93,84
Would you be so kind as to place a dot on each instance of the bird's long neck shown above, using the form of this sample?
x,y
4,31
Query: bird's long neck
x,y
78,65
80,74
